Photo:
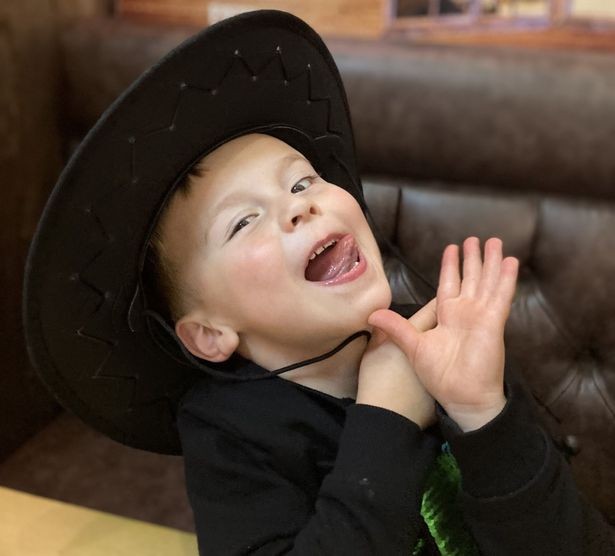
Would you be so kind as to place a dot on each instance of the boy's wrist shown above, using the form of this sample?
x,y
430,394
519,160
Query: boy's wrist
x,y
474,417
504,455
422,412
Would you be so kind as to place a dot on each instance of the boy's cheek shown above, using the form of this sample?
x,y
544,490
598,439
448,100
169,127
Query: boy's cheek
x,y
257,271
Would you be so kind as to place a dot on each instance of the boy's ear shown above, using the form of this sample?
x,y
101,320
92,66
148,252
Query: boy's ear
x,y
212,343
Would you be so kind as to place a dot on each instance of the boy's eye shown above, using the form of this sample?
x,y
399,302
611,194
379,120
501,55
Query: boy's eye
x,y
244,221
309,179
241,224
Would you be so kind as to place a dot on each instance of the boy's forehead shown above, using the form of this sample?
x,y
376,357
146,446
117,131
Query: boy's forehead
x,y
245,173
242,155
242,160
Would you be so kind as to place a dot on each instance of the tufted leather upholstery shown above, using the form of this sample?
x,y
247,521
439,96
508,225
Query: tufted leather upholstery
x,y
460,141
561,325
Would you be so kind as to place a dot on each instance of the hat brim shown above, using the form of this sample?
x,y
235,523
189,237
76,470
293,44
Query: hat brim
x,y
84,321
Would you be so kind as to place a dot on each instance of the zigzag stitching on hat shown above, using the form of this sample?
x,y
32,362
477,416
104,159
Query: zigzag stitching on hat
x,y
90,285
169,127
99,223
312,98
109,344
256,72
254,75
107,239
96,339
80,275
105,198
212,91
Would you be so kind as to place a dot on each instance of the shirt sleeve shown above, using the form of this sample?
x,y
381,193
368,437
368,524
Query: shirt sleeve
x,y
518,494
368,504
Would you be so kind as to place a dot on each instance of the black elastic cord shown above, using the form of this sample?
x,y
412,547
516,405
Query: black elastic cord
x,y
224,375
323,356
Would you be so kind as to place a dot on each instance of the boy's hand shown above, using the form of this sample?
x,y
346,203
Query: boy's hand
x,y
461,360
386,378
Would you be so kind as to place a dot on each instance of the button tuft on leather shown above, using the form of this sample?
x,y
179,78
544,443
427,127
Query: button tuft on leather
x,y
572,445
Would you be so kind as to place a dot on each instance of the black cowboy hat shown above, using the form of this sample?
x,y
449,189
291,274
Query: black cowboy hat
x,y
89,328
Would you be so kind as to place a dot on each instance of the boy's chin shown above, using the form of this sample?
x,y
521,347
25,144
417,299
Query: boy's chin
x,y
361,311
381,300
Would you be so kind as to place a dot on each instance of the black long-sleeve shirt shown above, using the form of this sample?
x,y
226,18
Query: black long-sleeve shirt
x,y
273,467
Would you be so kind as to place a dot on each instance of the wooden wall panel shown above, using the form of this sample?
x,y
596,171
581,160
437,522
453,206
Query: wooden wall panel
x,y
343,18
165,11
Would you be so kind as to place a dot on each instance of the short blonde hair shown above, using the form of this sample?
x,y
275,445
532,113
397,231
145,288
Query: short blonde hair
x,y
166,293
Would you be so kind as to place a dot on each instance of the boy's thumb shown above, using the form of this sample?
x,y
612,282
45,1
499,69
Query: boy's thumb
x,y
399,329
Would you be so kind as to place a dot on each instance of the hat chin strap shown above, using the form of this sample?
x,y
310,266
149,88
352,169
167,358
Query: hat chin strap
x,y
323,356
195,362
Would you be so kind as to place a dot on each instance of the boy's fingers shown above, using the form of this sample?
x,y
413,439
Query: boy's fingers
x,y
448,285
472,266
399,329
426,317
507,285
491,269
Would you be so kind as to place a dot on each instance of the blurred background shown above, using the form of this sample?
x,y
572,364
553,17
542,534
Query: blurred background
x,y
472,117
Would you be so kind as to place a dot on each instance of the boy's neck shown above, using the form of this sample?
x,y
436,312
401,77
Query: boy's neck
x,y
337,375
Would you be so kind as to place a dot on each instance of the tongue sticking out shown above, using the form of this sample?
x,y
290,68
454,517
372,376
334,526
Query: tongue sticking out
x,y
333,261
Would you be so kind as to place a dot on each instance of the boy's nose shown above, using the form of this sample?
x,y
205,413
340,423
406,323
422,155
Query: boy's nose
x,y
299,210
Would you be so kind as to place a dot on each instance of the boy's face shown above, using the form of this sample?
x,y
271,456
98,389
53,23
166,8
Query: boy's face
x,y
246,260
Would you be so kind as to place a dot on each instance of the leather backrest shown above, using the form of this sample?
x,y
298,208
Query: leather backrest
x,y
561,328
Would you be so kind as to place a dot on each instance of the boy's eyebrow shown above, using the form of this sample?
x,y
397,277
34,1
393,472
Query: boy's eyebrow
x,y
237,197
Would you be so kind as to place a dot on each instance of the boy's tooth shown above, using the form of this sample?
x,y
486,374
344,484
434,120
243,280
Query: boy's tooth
x,y
322,248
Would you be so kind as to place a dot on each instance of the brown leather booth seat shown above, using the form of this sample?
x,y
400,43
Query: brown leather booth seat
x,y
460,141
559,327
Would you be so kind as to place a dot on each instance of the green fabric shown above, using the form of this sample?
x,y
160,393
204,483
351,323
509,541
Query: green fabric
x,y
441,512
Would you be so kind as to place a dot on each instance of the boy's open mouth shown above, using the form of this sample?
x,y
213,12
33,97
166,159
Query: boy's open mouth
x,y
334,257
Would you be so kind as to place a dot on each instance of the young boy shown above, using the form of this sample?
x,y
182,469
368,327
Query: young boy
x,y
295,464
252,230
